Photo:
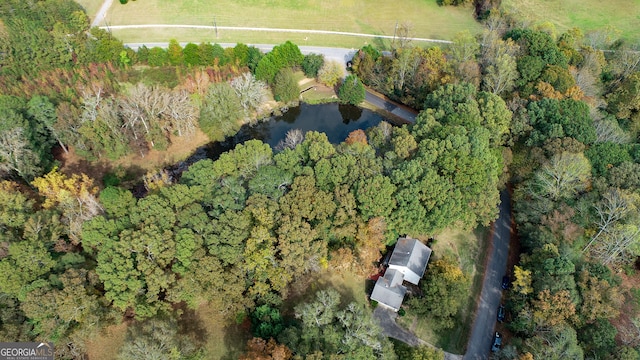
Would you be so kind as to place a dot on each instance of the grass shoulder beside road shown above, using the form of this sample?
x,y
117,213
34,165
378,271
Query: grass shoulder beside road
x,y
470,248
588,15
91,7
379,17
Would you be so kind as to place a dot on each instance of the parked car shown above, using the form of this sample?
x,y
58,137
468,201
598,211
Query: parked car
x,y
501,313
505,282
497,342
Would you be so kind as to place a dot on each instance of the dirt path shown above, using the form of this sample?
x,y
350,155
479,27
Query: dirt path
x,y
102,13
240,28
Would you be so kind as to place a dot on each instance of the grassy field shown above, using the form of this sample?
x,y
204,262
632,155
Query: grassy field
x,y
90,6
425,18
468,248
588,15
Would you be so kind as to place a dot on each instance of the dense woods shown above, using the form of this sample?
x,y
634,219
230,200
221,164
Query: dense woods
x,y
553,115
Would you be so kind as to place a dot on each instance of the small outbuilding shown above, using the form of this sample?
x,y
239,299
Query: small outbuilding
x,y
389,291
408,262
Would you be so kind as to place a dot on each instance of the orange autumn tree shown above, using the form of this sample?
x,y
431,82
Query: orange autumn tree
x,y
357,136
260,349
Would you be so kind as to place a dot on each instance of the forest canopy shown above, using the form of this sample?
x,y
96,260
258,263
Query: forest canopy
x,y
552,116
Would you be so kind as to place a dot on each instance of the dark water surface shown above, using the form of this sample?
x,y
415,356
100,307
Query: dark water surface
x,y
335,120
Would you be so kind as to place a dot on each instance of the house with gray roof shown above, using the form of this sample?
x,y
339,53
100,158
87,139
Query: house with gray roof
x,y
408,262
410,257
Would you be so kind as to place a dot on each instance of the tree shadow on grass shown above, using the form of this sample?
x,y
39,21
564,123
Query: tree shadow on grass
x,y
191,325
235,338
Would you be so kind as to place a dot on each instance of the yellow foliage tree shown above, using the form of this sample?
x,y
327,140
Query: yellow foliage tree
x,y
75,196
522,281
553,309
525,356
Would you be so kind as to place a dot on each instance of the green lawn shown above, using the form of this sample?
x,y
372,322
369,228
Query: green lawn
x,y
90,6
588,15
470,250
425,18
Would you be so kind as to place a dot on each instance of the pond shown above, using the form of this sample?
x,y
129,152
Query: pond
x,y
333,119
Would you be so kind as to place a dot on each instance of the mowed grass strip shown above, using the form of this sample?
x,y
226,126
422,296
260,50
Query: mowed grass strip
x,y
91,7
588,15
424,17
247,37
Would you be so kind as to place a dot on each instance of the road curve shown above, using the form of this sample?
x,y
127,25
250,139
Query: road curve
x,y
484,324
101,13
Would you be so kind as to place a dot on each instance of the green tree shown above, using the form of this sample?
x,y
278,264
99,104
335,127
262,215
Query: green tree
x,y
191,53
286,55
285,86
423,352
158,56
174,53
444,290
624,101
375,197
220,112
606,155
311,64
351,91
266,69
552,118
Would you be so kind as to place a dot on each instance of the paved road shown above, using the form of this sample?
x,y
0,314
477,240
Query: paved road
x,y
490,296
102,13
396,109
387,320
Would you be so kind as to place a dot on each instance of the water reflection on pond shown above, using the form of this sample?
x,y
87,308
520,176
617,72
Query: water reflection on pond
x,y
335,120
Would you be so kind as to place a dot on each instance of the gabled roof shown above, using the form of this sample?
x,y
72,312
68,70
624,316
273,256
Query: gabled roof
x,y
411,254
389,289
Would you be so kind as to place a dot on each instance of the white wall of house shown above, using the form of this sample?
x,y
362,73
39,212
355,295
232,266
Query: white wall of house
x,y
387,306
409,275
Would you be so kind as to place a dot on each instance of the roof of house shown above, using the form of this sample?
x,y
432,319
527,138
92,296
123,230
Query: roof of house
x,y
389,289
412,254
